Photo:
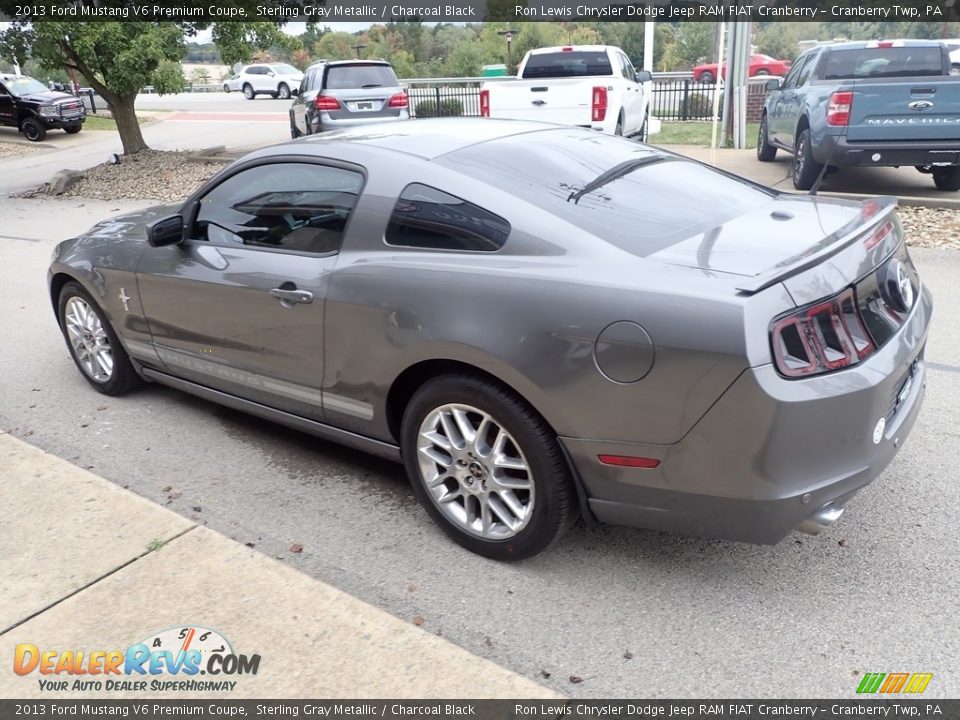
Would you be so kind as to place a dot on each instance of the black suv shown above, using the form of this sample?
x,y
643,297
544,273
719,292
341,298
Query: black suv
x,y
30,106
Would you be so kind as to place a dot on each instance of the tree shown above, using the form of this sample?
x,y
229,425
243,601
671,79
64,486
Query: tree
x,y
779,39
117,59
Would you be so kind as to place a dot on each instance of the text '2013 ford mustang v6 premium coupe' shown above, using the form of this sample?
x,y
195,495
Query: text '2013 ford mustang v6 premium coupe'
x,y
540,322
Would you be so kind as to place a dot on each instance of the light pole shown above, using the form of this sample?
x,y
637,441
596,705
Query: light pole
x,y
509,35
358,48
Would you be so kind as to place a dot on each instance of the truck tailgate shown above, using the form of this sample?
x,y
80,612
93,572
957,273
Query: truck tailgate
x,y
904,110
557,100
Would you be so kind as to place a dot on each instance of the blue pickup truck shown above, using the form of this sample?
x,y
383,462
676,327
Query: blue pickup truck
x,y
882,103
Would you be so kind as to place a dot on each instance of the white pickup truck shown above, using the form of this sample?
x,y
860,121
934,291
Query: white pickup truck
x,y
593,86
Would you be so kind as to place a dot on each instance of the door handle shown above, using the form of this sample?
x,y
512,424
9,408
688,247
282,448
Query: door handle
x,y
288,296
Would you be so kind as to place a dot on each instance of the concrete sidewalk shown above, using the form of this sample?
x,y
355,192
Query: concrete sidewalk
x,y
90,566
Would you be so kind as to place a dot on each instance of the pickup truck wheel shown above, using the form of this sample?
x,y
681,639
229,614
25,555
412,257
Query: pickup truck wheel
x,y
73,129
248,92
947,178
805,168
765,151
618,131
32,129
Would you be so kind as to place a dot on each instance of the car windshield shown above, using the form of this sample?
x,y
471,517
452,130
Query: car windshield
x,y
22,85
884,62
285,69
635,197
572,63
360,75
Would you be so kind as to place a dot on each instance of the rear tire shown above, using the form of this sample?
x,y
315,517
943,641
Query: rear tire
x,y
32,129
226,88
294,131
765,151
284,91
248,92
505,492
805,168
93,345
947,178
618,130
707,78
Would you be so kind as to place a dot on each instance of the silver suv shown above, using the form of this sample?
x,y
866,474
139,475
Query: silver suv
x,y
341,93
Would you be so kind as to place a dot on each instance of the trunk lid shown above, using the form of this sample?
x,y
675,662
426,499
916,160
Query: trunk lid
x,y
566,101
907,109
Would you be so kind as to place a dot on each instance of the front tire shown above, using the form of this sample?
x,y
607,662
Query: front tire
x,y
947,178
805,168
93,344
707,78
284,91
73,129
248,92
765,151
32,129
486,467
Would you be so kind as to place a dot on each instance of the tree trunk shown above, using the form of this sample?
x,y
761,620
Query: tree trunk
x,y
127,124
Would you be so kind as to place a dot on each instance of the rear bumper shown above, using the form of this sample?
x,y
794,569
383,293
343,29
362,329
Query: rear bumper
x,y
842,152
771,452
323,121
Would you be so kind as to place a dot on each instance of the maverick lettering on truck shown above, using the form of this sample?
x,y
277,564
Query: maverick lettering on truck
x,y
593,86
884,103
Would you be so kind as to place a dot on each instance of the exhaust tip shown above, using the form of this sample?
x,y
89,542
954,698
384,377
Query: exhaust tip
x,y
821,519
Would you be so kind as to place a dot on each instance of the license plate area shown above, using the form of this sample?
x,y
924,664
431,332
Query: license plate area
x,y
940,158
365,106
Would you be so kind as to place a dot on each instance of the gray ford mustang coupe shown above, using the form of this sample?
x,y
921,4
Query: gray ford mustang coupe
x,y
539,322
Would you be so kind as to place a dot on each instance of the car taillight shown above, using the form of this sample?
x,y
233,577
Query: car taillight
x,y
838,109
484,103
820,338
325,102
599,104
399,100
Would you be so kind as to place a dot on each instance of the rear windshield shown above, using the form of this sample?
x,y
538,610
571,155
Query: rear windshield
x,y
665,200
567,64
883,62
347,77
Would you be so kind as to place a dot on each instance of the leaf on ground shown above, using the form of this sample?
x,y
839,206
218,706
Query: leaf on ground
x,y
576,679
296,548
418,620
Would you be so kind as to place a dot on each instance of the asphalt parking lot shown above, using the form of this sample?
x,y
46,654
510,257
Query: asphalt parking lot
x,y
628,612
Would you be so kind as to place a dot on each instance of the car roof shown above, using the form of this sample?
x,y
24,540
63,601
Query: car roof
x,y
426,138
861,44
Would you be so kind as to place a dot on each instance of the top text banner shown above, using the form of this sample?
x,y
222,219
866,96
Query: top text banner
x,y
480,10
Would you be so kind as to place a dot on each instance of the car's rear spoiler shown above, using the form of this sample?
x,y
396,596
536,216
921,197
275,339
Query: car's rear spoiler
x,y
875,211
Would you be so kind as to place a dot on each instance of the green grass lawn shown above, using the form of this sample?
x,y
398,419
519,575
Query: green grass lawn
x,y
696,133
97,122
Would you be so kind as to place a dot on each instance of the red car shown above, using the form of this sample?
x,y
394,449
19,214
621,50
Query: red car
x,y
759,65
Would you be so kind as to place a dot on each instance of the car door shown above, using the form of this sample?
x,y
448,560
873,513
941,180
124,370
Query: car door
x,y
239,305
783,108
8,109
633,96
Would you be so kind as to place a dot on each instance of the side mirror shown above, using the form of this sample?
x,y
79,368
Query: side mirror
x,y
271,73
165,231
773,84
644,76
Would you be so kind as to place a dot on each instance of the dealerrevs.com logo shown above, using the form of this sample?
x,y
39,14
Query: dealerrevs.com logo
x,y
169,660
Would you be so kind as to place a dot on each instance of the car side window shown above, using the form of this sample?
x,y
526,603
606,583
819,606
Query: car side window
x,y
791,80
806,71
301,207
425,217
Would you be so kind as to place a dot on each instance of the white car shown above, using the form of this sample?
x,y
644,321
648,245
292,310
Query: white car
x,y
277,80
593,86
953,47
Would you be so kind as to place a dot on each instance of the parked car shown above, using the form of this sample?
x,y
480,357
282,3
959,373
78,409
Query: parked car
x,y
953,48
30,106
878,103
232,84
593,86
537,320
759,65
341,93
278,80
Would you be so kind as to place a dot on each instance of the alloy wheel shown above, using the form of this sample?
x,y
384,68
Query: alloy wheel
x,y
475,472
89,340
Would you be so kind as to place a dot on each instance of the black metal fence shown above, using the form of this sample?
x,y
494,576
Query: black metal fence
x,y
671,99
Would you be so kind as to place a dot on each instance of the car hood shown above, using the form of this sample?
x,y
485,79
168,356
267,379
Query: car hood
x,y
776,234
48,96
